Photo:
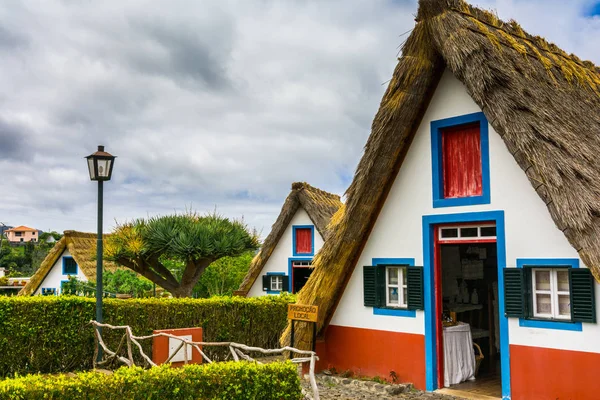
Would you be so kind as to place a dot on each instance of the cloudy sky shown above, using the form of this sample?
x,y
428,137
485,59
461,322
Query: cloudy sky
x,y
206,103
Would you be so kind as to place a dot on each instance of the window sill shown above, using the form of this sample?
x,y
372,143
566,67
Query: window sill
x,y
273,291
551,324
462,201
394,312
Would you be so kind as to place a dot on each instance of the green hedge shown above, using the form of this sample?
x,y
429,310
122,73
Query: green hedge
x,y
52,334
231,381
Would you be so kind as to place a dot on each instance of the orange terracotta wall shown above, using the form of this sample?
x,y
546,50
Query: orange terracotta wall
x,y
372,353
540,374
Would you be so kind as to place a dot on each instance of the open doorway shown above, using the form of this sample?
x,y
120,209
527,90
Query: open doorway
x,y
301,270
466,263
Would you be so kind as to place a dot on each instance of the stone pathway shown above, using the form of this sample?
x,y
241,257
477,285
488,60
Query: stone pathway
x,y
333,387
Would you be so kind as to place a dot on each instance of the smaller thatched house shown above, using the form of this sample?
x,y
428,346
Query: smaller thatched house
x,y
477,200
284,262
73,255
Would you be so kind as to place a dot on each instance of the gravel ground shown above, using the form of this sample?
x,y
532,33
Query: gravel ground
x,y
350,389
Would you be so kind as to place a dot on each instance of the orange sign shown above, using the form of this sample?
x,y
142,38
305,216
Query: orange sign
x,y
299,312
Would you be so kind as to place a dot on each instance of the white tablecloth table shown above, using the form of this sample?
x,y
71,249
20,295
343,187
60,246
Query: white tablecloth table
x,y
459,357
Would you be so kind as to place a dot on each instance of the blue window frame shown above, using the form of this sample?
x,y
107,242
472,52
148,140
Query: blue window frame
x,y
533,322
69,266
389,311
437,165
275,274
312,240
48,291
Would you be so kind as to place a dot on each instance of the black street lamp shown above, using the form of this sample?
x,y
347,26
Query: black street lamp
x,y
100,165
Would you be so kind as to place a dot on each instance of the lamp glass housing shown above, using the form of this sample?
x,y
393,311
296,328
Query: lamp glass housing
x,y
100,165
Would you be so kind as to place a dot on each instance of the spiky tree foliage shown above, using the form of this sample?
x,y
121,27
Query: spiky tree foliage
x,y
195,240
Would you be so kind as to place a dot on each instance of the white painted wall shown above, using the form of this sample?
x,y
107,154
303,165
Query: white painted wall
x,y
530,231
55,276
278,262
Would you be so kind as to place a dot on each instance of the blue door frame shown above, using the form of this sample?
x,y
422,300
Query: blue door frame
x,y
429,223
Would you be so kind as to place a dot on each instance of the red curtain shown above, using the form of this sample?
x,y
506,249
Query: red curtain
x,y
303,240
461,161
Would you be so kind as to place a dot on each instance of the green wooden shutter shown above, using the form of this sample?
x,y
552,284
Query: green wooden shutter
x,y
514,293
286,284
370,286
583,301
414,290
266,282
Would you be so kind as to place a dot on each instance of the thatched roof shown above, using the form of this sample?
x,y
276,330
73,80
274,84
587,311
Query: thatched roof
x,y
320,207
81,246
543,102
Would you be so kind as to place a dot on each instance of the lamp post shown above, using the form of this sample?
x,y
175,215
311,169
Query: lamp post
x,y
100,165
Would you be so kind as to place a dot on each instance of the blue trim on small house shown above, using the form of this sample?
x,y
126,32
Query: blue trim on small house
x,y
395,312
436,161
290,274
312,240
542,323
429,222
63,266
274,273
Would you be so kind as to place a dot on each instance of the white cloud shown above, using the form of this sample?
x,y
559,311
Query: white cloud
x,y
213,103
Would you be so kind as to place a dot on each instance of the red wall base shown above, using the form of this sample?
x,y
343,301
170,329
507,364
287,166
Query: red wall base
x,y
539,374
372,353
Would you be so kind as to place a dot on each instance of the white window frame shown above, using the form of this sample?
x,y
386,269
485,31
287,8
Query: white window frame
x,y
460,237
276,283
402,301
302,264
553,292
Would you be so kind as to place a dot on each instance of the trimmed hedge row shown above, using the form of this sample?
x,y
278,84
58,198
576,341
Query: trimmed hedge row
x,y
231,381
52,334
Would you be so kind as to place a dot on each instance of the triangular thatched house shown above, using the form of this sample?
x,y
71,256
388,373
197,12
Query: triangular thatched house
x,y
73,255
477,200
284,261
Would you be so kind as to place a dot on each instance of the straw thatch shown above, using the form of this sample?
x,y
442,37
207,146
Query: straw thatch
x,y
543,102
81,246
320,207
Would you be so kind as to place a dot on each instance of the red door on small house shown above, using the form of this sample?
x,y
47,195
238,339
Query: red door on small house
x,y
303,241
461,158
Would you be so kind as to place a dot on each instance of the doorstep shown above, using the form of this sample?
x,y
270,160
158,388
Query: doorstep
x,y
465,395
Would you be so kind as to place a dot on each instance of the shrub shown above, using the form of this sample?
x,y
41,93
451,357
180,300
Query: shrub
x,y
232,380
52,334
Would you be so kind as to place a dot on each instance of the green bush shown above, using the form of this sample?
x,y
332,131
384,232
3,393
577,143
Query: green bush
x,y
231,381
52,334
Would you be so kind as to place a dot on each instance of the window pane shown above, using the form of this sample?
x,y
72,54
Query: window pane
x,y
562,277
392,276
404,295
542,280
543,304
393,295
468,232
564,305
449,232
488,231
404,276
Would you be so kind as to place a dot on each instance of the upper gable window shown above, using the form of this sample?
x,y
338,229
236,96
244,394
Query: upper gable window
x,y
460,161
303,240
69,266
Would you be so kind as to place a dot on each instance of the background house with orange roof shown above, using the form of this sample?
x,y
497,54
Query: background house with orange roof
x,y
22,234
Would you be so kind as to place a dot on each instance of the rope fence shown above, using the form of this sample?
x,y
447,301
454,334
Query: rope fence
x,y
238,351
